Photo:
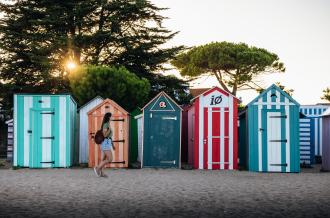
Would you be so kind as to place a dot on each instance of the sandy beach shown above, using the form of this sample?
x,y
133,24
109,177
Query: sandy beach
x,y
163,193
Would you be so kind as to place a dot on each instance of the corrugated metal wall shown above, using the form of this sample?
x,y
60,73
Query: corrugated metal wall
x,y
83,128
44,130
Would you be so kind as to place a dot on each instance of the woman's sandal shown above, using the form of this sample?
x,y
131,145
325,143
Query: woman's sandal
x,y
96,173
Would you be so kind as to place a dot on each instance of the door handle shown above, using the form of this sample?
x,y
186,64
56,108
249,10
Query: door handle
x,y
204,141
261,129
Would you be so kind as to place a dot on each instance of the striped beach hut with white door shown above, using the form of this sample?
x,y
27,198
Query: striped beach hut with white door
x,y
83,128
314,112
44,128
270,127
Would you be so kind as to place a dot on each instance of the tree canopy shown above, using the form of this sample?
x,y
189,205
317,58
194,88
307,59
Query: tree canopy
x,y
326,94
39,37
118,84
235,66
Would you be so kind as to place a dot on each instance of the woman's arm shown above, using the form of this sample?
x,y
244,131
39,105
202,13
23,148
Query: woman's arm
x,y
106,132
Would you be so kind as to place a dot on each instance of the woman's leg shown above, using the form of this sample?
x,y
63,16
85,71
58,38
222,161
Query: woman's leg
x,y
108,159
103,158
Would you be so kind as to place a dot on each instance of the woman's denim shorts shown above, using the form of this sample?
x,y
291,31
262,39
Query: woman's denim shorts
x,y
106,144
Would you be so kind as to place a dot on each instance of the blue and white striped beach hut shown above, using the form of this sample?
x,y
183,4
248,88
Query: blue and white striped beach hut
x,y
270,129
306,141
314,112
44,127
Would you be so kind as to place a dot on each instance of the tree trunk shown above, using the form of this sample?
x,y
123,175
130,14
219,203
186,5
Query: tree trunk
x,y
219,78
234,90
235,83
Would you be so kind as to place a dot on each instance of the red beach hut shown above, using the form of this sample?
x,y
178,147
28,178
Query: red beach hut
x,y
212,130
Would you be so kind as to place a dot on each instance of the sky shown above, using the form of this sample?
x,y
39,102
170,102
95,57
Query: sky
x,y
298,31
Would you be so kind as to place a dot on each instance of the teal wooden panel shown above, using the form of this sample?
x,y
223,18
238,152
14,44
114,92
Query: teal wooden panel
x,y
133,150
68,158
253,138
161,139
242,141
283,134
294,136
56,143
20,131
264,135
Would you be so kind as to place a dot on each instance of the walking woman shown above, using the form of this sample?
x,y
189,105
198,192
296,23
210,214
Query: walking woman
x,y
106,146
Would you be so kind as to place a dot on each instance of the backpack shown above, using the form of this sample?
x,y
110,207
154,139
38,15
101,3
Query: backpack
x,y
99,137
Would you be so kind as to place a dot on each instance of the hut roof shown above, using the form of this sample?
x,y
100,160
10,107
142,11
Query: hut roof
x,y
160,94
97,97
278,89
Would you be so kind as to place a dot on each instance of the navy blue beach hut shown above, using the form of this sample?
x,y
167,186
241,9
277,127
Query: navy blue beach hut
x,y
161,133
269,133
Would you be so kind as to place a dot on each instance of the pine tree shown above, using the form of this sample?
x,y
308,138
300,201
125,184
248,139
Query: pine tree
x,y
38,38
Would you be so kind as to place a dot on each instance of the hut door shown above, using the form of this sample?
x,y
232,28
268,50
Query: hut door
x,y
42,137
274,141
117,125
216,138
164,139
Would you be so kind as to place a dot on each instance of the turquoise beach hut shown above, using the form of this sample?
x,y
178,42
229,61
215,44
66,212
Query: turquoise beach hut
x,y
44,127
269,133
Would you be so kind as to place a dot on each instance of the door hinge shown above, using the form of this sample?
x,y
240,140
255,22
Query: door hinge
x,y
48,113
123,120
118,162
123,140
168,118
168,162
51,137
279,165
52,162
284,140
282,116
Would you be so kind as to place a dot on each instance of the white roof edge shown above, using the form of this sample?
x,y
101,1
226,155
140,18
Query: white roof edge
x,y
9,121
316,105
138,116
90,101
